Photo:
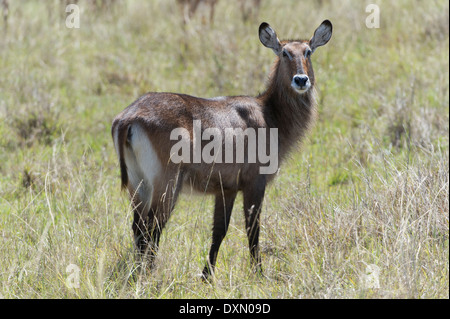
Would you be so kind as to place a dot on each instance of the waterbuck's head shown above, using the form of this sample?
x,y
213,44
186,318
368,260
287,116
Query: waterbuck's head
x,y
295,68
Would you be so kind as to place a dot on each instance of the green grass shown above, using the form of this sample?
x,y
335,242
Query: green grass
x,y
369,186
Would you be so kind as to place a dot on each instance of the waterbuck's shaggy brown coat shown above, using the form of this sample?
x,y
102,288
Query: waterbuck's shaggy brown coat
x,y
142,132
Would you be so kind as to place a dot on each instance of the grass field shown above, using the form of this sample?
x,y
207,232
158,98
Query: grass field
x,y
361,211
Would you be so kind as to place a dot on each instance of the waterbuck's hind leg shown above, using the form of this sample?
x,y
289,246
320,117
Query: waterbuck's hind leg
x,y
148,230
222,213
253,198
139,227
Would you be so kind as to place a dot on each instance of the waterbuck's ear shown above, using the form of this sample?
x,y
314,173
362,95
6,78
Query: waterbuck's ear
x,y
268,37
322,35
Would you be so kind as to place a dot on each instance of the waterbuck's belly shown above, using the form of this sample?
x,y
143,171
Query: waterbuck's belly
x,y
215,178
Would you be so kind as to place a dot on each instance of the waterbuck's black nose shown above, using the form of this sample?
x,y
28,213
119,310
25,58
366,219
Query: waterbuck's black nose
x,y
300,80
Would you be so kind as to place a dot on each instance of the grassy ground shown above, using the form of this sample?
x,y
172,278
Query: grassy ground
x,y
362,211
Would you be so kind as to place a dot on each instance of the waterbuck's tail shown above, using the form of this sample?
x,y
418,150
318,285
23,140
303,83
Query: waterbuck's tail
x,y
119,132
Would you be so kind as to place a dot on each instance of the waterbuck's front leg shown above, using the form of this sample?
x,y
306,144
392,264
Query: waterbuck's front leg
x,y
222,213
253,197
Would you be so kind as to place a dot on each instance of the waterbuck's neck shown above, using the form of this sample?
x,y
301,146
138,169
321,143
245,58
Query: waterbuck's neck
x,y
290,112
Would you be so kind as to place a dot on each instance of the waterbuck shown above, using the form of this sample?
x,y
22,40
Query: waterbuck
x,y
146,145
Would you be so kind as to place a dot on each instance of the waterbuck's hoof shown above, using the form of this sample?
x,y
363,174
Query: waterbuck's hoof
x,y
206,275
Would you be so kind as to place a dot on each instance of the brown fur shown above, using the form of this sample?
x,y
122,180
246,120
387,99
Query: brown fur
x,y
280,106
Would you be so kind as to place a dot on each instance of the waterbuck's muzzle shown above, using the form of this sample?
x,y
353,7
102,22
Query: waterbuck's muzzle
x,y
301,83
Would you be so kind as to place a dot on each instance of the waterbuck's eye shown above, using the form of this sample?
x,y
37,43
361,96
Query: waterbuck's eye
x,y
284,53
308,53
